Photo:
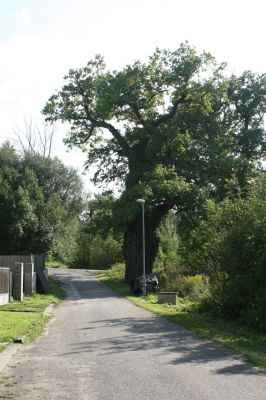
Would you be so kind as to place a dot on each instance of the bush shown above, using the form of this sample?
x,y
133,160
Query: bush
x,y
229,246
96,252
194,287
116,272
167,264
104,252
244,290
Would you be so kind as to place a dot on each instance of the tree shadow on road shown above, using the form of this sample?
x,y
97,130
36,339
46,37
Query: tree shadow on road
x,y
158,337
83,285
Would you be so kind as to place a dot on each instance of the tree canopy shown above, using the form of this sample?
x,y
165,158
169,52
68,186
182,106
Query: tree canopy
x,y
175,131
39,199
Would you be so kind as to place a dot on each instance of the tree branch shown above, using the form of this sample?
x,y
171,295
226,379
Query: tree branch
x,y
137,113
171,114
103,124
134,108
156,94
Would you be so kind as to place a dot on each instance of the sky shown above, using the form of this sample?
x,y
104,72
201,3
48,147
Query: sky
x,y
40,40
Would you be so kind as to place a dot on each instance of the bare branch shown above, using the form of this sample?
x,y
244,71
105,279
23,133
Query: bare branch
x,y
34,140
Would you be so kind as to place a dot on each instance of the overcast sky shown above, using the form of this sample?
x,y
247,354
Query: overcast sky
x,y
41,39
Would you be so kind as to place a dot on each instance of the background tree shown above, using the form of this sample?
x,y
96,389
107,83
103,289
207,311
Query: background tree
x,y
99,245
32,139
40,203
173,131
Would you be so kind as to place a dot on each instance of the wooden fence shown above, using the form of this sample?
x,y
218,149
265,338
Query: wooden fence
x,y
4,286
4,280
39,267
9,261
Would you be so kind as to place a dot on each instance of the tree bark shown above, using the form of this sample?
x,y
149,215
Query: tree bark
x,y
133,250
133,243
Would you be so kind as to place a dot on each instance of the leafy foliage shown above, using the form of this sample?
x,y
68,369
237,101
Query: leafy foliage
x,y
97,252
98,245
174,131
40,199
229,246
167,261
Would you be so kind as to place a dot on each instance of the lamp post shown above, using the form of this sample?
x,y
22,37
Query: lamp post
x,y
142,202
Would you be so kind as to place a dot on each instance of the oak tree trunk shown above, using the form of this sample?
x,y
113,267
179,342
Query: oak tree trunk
x,y
133,243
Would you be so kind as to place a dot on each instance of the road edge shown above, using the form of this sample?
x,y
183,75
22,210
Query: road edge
x,y
7,354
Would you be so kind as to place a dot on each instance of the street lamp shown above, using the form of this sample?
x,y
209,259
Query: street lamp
x,y
142,202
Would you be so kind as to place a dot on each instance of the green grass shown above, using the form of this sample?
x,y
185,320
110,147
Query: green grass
x,y
250,344
55,264
26,318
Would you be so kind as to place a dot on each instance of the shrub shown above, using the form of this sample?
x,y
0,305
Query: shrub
x,y
96,252
229,246
167,264
194,287
244,290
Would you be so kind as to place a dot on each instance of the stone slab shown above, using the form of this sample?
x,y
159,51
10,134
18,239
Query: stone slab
x,y
167,297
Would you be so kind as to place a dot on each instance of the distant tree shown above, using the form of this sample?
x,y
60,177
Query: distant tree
x,y
55,178
99,244
40,200
173,131
15,212
34,140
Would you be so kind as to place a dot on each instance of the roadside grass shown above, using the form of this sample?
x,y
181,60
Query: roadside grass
x,y
55,264
26,318
250,344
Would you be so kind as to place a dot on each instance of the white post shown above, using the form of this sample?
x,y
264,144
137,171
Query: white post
x,y
142,202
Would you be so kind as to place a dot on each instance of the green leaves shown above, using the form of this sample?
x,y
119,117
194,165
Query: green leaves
x,y
228,245
175,131
178,109
39,197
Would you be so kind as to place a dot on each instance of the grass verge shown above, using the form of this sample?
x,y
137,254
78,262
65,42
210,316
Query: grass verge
x,y
55,264
26,318
250,344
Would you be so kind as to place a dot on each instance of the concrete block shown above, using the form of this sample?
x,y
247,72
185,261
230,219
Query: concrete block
x,y
4,299
167,297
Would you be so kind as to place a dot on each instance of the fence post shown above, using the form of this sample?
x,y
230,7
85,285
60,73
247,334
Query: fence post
x,y
17,289
4,286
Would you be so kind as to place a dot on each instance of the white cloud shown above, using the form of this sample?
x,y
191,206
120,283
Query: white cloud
x,y
21,17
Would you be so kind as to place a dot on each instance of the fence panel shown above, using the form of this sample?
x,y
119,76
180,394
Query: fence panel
x,y
4,280
4,286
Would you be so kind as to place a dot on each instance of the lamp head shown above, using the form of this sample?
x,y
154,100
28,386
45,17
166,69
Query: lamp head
x,y
140,201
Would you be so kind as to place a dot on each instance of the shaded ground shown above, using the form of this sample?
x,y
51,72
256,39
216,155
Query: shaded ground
x,y
100,346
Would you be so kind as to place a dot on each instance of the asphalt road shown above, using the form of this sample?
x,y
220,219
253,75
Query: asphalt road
x,y
99,346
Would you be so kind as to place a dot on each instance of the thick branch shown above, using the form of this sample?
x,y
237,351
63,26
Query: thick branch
x,y
103,124
134,108
171,114
137,113
116,134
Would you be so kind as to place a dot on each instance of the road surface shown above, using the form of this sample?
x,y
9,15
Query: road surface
x,y
99,346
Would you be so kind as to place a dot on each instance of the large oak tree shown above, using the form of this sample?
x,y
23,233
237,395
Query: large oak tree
x,y
173,131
